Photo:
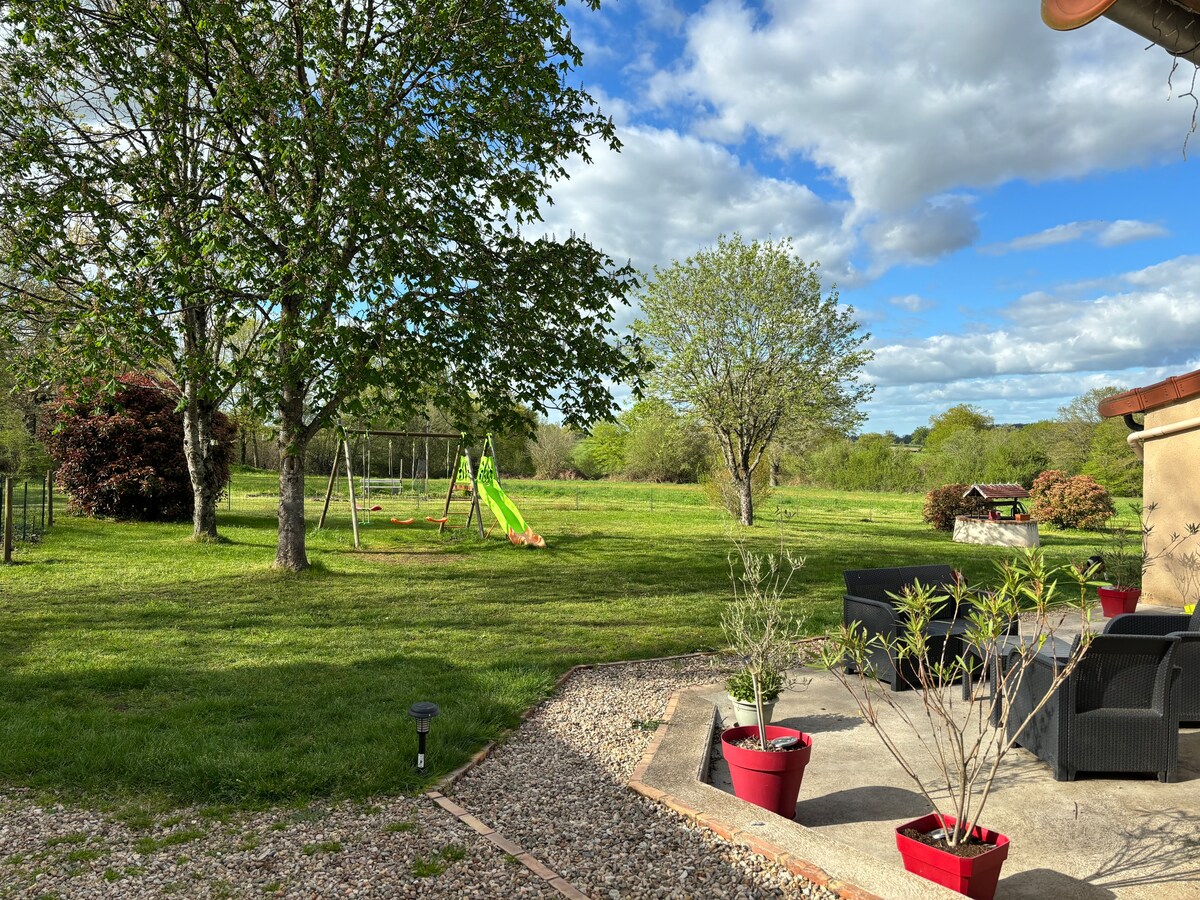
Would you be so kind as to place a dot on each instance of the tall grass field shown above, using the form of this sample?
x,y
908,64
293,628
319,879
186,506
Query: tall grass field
x,y
137,666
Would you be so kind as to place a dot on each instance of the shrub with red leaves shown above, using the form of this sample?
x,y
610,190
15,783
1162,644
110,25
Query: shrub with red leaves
x,y
944,504
1067,502
122,455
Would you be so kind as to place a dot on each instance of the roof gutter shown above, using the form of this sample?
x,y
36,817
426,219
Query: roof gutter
x,y
1137,439
1172,24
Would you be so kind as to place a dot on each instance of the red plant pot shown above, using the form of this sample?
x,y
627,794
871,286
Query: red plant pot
x,y
771,779
1115,601
976,876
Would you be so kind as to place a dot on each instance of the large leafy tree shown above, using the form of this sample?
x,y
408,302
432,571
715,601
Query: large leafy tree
x,y
742,335
963,418
376,166
114,191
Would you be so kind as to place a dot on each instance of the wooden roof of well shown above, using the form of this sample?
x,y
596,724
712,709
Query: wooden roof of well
x,y
997,491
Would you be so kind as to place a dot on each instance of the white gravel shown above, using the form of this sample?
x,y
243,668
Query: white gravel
x,y
558,788
398,847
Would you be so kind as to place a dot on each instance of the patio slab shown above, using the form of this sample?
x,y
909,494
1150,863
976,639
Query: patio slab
x,y
1097,837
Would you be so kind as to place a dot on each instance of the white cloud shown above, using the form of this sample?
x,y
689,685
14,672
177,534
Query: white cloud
x,y
913,303
1102,233
1152,322
1126,231
666,195
936,227
903,101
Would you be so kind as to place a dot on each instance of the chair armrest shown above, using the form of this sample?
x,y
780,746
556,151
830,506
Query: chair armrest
x,y
875,616
1146,623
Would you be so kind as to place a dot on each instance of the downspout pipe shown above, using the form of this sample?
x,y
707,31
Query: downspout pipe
x,y
1137,439
1172,24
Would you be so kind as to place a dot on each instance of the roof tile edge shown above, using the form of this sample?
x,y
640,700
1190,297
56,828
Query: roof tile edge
x,y
1066,15
1162,393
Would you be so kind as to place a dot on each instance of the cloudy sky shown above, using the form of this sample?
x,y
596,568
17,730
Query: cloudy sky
x,y
1007,208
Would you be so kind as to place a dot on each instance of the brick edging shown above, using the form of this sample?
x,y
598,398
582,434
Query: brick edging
x,y
548,875
754,843
528,860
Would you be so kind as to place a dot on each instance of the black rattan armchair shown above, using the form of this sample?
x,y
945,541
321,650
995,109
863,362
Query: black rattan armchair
x,y
1117,711
867,602
1187,657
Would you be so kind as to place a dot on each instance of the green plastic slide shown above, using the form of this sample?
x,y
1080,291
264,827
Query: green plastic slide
x,y
498,502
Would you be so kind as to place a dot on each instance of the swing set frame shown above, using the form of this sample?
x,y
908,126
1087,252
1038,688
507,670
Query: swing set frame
x,y
462,456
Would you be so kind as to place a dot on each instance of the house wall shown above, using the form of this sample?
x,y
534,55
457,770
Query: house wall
x,y
1172,480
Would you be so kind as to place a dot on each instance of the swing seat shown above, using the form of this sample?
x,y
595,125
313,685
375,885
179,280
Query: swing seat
x,y
436,521
403,521
365,509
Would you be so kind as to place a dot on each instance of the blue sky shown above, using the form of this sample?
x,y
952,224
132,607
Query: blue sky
x,y
1006,207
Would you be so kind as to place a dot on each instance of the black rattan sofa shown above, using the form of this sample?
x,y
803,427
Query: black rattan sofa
x,y
866,601
1116,712
1187,657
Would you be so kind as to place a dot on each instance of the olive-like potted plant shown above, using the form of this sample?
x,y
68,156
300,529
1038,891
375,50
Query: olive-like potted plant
x,y
962,739
1126,559
740,687
766,764
1124,563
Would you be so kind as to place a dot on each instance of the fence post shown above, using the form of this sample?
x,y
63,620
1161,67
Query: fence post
x,y
8,519
49,498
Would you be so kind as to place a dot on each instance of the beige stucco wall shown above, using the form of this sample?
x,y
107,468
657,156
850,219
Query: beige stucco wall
x,y
1172,480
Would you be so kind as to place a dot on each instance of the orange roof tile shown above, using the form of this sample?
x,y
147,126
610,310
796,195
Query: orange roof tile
x,y
1162,393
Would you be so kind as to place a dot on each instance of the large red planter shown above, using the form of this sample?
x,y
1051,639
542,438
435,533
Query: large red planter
x,y
772,779
976,877
1115,601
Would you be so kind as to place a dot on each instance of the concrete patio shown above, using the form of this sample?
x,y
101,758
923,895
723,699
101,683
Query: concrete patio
x,y
1097,837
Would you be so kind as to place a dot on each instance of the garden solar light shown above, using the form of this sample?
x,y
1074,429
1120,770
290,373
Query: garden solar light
x,y
422,712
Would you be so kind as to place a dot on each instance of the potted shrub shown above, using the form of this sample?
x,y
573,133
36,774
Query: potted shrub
x,y
1123,567
740,687
955,767
1126,560
766,764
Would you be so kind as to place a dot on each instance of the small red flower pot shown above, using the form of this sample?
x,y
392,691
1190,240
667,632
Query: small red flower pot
x,y
772,779
1115,601
975,876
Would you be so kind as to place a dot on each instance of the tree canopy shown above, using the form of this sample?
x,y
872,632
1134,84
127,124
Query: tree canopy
x,y
741,334
363,180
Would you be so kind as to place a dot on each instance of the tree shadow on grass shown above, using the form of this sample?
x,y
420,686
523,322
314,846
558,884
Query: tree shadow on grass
x,y
252,732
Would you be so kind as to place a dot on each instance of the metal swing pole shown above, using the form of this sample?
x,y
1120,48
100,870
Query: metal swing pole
x,y
353,502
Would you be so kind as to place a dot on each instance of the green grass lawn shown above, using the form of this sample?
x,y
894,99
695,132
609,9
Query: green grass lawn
x,y
136,666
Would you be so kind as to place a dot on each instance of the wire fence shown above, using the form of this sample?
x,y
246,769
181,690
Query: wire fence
x,y
255,495
28,510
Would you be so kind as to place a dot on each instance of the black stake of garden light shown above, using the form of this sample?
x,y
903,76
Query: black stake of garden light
x,y
422,712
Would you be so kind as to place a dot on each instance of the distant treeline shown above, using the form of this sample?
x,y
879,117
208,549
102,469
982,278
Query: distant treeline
x,y
654,442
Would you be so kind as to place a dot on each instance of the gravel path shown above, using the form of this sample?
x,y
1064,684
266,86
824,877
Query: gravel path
x,y
556,787
398,847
